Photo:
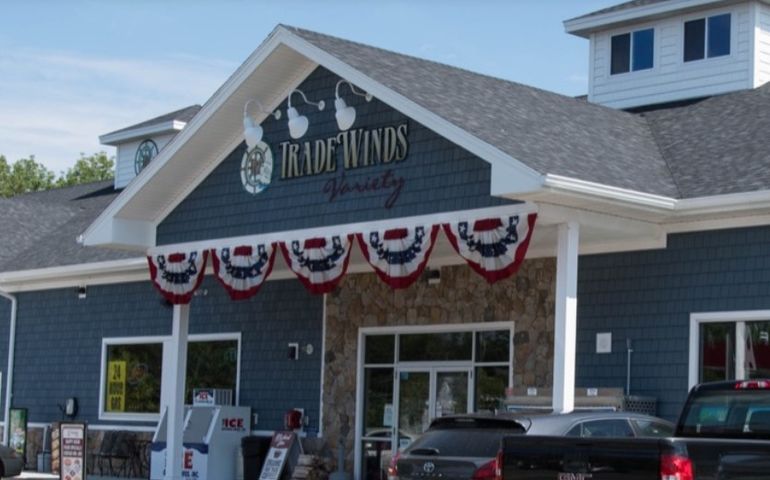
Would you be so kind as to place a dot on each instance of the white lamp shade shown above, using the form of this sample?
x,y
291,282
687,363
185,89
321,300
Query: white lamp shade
x,y
297,123
345,115
251,132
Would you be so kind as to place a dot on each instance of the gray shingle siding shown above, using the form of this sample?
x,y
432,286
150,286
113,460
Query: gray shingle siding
x,y
439,177
648,297
69,332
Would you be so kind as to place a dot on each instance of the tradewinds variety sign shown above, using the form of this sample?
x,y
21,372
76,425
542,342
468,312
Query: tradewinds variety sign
x,y
334,157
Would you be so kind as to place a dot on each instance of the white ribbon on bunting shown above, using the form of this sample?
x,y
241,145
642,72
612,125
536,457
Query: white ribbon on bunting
x,y
243,269
177,275
398,255
319,263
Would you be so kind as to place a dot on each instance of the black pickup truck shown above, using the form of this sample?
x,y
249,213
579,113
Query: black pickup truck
x,y
723,433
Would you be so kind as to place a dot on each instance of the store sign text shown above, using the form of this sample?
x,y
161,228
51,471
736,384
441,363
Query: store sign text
x,y
360,148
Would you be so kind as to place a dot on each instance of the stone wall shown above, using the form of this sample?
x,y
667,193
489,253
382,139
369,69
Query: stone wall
x,y
462,296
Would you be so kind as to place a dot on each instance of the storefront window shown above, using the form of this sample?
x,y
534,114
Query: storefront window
x,y
493,346
378,401
380,349
757,357
211,365
490,387
424,347
716,352
133,378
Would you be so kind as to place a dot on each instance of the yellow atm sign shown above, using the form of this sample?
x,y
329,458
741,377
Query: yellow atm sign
x,y
116,386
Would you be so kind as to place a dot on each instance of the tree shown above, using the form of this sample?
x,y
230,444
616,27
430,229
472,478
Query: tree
x,y
27,175
24,175
94,168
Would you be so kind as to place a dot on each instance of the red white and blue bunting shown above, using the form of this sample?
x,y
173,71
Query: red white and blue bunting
x,y
493,247
319,263
399,255
178,275
242,270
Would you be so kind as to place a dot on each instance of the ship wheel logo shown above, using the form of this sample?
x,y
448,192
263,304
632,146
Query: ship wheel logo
x,y
257,168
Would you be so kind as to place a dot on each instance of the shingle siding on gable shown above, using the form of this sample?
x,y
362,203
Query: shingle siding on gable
x,y
59,339
648,297
439,177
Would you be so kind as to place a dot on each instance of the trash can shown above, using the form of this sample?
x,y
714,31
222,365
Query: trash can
x,y
255,450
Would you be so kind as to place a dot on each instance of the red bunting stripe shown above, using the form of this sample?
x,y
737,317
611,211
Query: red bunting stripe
x,y
398,255
493,247
178,275
319,263
242,270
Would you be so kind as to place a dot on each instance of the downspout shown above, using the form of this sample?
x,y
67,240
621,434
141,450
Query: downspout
x,y
9,374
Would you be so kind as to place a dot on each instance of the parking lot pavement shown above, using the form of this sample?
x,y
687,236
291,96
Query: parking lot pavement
x,y
50,476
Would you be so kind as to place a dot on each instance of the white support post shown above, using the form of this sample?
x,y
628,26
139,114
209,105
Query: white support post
x,y
565,324
175,407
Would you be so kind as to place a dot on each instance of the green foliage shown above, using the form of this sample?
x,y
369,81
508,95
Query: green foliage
x,y
27,175
24,175
94,168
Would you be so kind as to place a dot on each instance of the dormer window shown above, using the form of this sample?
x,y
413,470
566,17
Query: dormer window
x,y
707,37
632,51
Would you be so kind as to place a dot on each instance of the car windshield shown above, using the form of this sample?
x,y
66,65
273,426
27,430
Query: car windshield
x,y
475,440
734,414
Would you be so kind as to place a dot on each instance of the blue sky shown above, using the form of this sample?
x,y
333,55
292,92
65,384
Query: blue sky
x,y
71,71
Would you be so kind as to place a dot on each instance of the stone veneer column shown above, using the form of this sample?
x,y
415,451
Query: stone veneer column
x,y
462,297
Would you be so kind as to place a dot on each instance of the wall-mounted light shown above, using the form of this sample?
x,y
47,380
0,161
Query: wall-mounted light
x,y
346,115
252,131
298,123
82,292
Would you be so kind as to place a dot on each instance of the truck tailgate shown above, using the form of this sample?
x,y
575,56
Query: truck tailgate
x,y
564,458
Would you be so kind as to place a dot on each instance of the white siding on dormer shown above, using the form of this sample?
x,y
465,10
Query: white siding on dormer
x,y
762,67
672,79
124,158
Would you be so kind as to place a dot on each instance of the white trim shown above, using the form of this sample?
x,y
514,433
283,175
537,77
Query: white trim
x,y
359,423
622,195
10,365
323,368
431,219
583,26
437,328
163,341
696,319
565,318
80,269
116,138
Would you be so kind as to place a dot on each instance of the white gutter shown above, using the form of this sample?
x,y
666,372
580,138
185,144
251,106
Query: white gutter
x,y
9,374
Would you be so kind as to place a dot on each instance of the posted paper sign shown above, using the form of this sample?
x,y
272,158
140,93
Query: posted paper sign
x,y
276,458
73,451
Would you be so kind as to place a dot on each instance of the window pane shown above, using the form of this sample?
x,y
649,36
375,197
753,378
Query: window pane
x,y
435,347
649,428
607,428
378,402
716,351
211,365
133,378
490,387
694,39
379,348
757,350
644,41
621,54
719,35
494,346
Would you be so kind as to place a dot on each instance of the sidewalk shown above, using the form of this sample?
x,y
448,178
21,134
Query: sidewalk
x,y
50,476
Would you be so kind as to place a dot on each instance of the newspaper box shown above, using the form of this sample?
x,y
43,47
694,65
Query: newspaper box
x,y
212,436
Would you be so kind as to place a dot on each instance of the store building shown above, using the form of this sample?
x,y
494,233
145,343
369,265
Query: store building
x,y
636,219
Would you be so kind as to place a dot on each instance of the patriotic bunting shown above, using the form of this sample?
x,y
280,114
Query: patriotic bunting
x,y
319,263
177,275
493,247
242,270
398,255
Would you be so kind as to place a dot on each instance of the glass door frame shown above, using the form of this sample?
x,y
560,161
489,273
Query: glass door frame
x,y
363,332
432,369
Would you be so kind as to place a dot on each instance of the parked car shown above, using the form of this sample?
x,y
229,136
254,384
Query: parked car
x,y
11,462
465,446
723,433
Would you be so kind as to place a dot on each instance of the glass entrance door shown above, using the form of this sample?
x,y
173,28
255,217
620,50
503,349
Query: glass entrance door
x,y
428,393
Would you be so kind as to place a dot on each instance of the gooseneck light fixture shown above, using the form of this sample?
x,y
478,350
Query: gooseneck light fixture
x,y
298,123
346,115
252,131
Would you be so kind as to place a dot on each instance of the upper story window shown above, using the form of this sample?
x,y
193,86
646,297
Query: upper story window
x,y
632,51
707,37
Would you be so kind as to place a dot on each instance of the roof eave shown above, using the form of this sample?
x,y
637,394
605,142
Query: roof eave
x,y
122,136
586,25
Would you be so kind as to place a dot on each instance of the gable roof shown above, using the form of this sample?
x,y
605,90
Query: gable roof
x,y
41,227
